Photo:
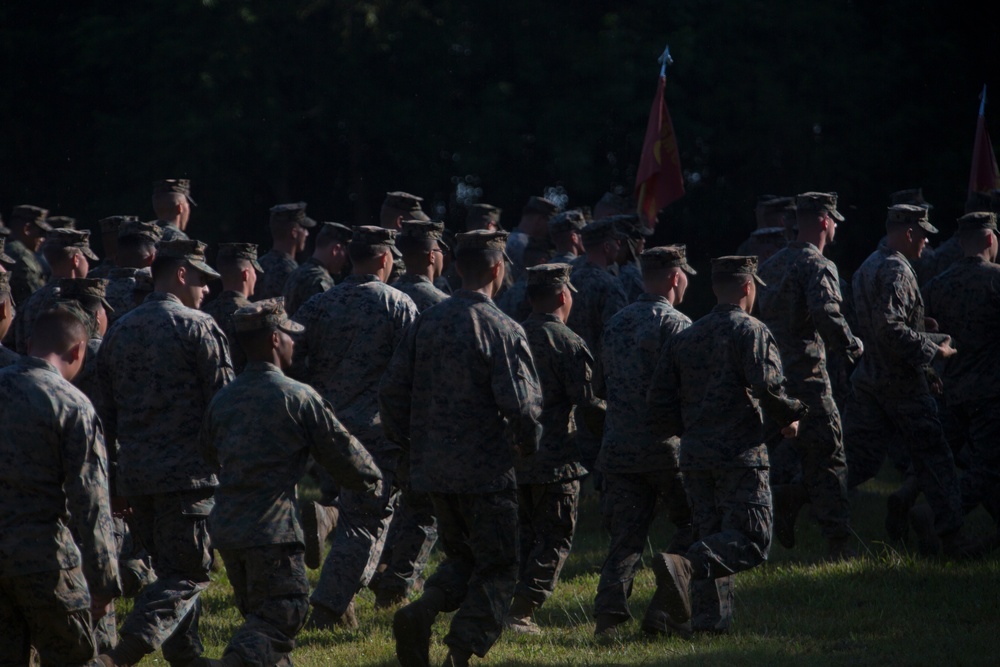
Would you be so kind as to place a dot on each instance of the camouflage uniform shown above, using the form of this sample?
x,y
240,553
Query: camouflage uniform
x,y
548,483
8,356
221,308
308,279
261,429
891,393
514,301
158,368
56,487
27,276
421,290
170,231
631,279
351,331
710,386
638,467
801,307
28,312
277,268
599,297
461,450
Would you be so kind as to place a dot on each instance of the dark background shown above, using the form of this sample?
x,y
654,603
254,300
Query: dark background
x,y
337,102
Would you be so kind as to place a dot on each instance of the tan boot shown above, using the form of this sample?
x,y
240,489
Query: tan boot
x,y
673,586
322,618
607,624
519,617
411,626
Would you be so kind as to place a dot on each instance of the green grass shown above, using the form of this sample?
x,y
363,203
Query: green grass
x,y
890,607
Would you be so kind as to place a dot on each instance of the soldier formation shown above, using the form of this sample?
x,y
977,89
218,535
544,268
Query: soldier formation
x,y
456,390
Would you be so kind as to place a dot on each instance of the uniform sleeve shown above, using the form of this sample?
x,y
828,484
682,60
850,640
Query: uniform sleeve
x,y
215,367
206,438
108,410
517,390
394,391
823,299
615,301
897,299
763,373
85,483
306,316
340,453
576,369
663,397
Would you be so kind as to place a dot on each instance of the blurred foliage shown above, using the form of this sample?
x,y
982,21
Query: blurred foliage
x,y
336,102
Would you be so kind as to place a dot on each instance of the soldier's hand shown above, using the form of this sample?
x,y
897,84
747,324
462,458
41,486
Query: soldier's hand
x,y
792,430
945,350
936,386
99,607
931,325
375,490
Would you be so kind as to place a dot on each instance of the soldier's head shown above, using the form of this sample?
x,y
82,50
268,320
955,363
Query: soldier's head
x,y
612,204
60,336
907,228
290,226
550,290
331,246
68,252
172,201
109,233
483,216
816,215
633,235
665,272
977,233
537,251
28,225
422,246
479,259
400,206
180,269
7,311
565,230
602,241
372,250
264,332
770,210
735,280
535,216
238,266
137,244
90,294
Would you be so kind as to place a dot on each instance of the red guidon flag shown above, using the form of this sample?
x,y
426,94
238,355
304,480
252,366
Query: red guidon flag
x,y
984,177
659,180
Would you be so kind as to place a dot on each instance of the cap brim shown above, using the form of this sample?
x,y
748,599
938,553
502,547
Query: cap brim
x,y
759,281
396,253
41,224
687,268
107,306
307,222
419,215
506,257
571,288
7,260
928,227
90,254
204,268
191,201
256,266
291,327
837,215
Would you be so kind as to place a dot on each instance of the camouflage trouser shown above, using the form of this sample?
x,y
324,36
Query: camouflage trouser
x,y
630,507
872,420
50,611
820,448
981,482
408,544
272,593
173,529
357,546
547,514
479,536
134,571
731,512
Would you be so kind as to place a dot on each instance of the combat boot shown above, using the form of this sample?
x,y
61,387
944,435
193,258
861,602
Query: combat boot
x,y
673,586
519,617
922,522
318,521
386,598
788,502
411,626
607,624
456,658
658,622
898,506
839,548
129,651
322,618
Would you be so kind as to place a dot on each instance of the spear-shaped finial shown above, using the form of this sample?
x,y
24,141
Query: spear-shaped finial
x,y
665,60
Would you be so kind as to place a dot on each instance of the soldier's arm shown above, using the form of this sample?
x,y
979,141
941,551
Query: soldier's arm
x,y
107,410
896,300
340,453
206,438
517,390
85,482
214,363
823,299
764,375
663,396
577,370
395,389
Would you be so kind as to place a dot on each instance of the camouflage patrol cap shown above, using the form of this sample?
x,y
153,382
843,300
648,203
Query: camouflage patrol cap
x,y
572,220
600,231
550,274
630,226
79,288
615,202
113,223
481,216
265,314
34,214
4,284
336,232
540,206
143,283
292,214
61,222
405,204
483,239
768,231
71,238
189,250
375,238
977,220
818,201
983,201
247,251
666,257
147,230
425,230
774,204
912,196
181,186
907,214
737,265
5,259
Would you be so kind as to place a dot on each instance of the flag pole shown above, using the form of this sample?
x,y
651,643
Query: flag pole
x,y
665,60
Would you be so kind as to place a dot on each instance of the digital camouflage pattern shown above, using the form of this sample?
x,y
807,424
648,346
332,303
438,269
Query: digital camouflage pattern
x,y
171,232
277,268
120,292
599,296
260,430
221,308
158,368
468,350
8,356
630,277
27,276
514,300
419,288
308,279
28,312
547,514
